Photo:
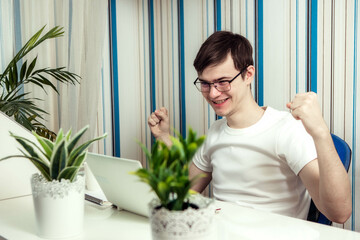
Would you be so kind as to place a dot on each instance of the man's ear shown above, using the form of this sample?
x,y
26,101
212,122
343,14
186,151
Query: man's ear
x,y
249,75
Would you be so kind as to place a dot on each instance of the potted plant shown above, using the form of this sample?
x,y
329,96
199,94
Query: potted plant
x,y
58,191
178,213
14,101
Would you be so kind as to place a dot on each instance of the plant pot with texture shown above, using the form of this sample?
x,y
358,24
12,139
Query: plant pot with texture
x,y
179,212
58,191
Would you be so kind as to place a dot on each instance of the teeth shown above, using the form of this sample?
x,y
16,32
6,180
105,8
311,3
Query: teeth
x,y
221,101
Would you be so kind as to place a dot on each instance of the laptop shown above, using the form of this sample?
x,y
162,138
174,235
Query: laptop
x,y
121,188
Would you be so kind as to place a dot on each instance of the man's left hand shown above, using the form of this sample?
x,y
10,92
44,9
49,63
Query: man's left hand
x,y
305,107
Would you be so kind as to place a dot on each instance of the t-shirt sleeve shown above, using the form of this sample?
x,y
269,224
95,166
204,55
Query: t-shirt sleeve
x,y
296,145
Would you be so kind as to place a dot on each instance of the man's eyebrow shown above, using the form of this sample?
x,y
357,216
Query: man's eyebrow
x,y
216,80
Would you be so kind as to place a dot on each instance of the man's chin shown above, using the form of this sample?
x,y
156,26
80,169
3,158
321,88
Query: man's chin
x,y
220,114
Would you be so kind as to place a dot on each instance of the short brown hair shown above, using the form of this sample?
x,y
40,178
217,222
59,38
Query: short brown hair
x,y
216,48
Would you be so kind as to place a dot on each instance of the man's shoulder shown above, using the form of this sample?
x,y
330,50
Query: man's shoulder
x,y
283,121
275,115
286,123
275,112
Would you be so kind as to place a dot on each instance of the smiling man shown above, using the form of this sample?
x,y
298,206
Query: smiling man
x,y
256,156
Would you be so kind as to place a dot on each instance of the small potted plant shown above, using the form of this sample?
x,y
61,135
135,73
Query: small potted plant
x,y
178,213
58,190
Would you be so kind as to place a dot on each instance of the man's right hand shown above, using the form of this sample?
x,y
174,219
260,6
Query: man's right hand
x,y
159,124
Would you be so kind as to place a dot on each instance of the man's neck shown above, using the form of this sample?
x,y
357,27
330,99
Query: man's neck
x,y
246,116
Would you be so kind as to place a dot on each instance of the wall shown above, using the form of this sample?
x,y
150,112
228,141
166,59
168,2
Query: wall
x,y
299,46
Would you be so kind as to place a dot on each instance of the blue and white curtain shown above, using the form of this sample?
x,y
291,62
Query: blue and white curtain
x,y
299,46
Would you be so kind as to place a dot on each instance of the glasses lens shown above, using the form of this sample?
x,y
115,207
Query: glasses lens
x,y
222,86
202,86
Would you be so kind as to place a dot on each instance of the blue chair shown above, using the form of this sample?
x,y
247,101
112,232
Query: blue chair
x,y
344,152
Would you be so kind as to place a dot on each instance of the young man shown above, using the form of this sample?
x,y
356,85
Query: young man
x,y
257,156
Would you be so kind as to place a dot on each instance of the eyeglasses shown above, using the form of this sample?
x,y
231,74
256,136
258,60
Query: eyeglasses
x,y
221,86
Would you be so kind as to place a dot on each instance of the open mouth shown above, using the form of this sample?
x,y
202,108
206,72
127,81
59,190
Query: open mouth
x,y
218,102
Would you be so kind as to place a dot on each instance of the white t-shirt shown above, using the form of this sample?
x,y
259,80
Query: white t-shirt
x,y
258,166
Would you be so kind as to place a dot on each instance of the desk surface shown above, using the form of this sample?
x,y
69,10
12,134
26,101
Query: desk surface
x,y
17,221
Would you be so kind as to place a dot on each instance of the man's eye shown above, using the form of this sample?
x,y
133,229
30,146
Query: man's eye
x,y
222,83
204,84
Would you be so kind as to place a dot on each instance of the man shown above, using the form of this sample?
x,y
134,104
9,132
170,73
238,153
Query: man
x,y
257,156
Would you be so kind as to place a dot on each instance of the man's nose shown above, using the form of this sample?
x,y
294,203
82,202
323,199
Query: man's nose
x,y
213,91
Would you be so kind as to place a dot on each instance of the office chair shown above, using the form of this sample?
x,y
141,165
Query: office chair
x,y
344,152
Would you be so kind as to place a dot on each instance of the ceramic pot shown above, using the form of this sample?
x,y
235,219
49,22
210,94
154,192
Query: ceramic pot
x,y
190,224
59,206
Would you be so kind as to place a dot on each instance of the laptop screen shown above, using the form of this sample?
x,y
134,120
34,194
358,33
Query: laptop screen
x,y
120,187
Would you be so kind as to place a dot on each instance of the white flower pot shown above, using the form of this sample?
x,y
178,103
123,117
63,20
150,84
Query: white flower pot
x,y
59,206
190,224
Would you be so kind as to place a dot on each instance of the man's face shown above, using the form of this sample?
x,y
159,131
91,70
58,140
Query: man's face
x,y
224,103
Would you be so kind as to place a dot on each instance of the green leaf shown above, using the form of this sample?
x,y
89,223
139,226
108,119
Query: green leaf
x,y
177,148
79,160
13,77
23,71
38,163
41,166
58,159
143,174
27,147
191,150
146,151
68,136
46,145
162,189
31,67
76,138
68,173
79,150
59,137
37,83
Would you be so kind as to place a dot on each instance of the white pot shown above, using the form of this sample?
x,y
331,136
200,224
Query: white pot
x,y
59,206
190,224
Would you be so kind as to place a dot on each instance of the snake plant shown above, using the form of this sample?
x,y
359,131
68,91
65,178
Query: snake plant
x,y
57,160
168,171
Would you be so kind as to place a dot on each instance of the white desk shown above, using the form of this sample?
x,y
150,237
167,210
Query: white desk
x,y
17,221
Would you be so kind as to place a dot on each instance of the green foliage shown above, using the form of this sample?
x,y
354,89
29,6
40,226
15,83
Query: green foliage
x,y
168,172
17,104
56,160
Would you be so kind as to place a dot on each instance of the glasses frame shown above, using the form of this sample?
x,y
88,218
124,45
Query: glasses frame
x,y
213,83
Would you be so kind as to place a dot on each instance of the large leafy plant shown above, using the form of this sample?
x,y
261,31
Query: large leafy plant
x,y
16,103
57,160
168,172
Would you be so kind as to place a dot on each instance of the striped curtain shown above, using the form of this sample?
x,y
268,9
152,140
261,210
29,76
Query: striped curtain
x,y
299,46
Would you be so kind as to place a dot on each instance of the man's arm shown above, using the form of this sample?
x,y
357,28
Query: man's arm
x,y
325,178
201,183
